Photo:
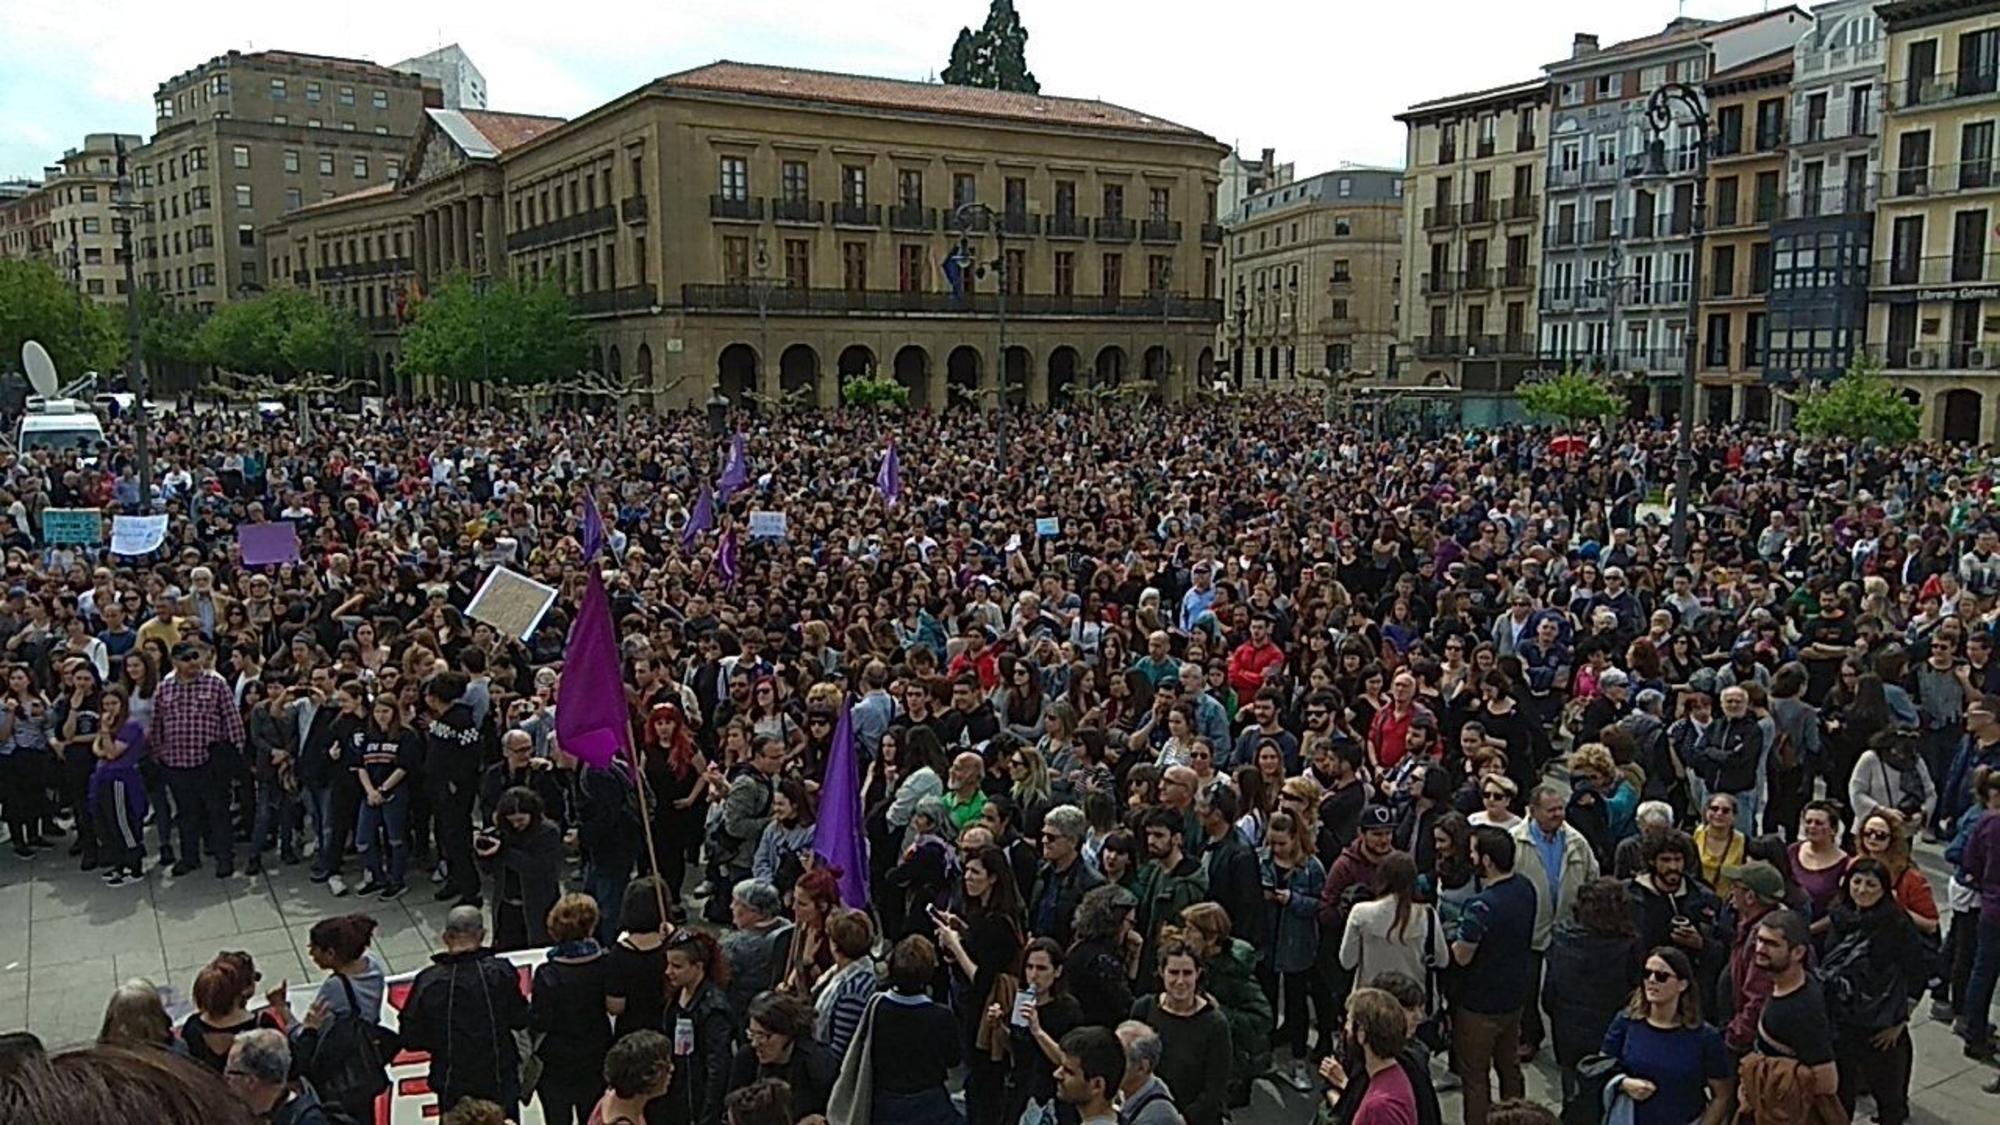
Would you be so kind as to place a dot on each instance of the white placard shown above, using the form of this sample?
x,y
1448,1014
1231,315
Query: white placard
x,y
512,603
137,535
767,525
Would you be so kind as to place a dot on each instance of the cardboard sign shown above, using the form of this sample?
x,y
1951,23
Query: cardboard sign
x,y
1048,527
512,603
268,544
137,535
767,525
72,526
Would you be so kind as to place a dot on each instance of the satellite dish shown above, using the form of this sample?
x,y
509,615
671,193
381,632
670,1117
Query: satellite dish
x,y
40,368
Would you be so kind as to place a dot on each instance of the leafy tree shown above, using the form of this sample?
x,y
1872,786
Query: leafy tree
x,y
1861,405
511,333
169,333
283,334
996,56
1572,396
881,391
36,303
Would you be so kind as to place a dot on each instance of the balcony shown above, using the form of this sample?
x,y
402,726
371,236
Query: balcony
x,y
1521,208
1478,345
627,299
797,211
1827,60
1483,148
867,302
1671,294
1160,230
1019,223
1581,233
1936,355
1946,269
1067,225
1517,276
912,217
1211,234
1338,326
1442,216
1943,179
857,214
1112,230
745,209
1918,91
1438,283
1478,212
1475,281
1584,173
1857,199
578,225
1671,224
951,221
632,210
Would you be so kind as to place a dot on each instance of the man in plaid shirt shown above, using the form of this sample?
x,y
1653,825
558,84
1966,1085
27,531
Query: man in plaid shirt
x,y
193,710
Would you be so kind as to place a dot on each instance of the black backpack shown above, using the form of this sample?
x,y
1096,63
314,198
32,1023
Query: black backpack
x,y
347,1060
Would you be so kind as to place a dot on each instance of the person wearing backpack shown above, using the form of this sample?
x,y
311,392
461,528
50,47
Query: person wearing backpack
x,y
745,811
340,1045
1870,989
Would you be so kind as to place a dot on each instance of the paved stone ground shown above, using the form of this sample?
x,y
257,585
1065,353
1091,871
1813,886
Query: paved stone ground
x,y
66,941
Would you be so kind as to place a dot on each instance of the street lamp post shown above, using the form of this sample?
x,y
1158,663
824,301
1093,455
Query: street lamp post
x,y
1660,115
135,364
1166,341
962,217
760,287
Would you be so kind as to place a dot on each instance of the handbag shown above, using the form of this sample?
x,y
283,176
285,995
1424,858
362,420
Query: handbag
x,y
853,1095
1434,1031
348,1060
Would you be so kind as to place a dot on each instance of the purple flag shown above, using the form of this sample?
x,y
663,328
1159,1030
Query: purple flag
x,y
725,557
736,472
593,526
265,544
837,835
890,478
591,718
701,519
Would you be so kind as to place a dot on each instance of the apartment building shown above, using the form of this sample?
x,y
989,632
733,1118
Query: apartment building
x,y
1617,252
1817,311
243,139
1936,278
68,219
460,85
1746,170
1243,177
743,229
1315,271
1472,235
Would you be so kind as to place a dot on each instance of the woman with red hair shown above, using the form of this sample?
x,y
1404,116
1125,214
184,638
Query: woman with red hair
x,y
814,899
677,795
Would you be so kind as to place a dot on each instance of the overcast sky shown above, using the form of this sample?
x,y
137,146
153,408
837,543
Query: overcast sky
x,y
1320,80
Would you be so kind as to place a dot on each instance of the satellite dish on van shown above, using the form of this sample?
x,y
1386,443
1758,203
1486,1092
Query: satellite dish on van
x,y
40,368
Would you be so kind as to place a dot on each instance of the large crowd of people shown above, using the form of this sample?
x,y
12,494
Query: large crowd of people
x,y
1198,748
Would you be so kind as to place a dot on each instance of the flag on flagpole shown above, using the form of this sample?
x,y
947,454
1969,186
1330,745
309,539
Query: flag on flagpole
x,y
838,837
725,557
890,478
592,721
701,519
736,472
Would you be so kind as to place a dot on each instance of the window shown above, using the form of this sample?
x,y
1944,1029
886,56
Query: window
x,y
793,181
293,200
735,185
911,269
379,99
1114,274
381,130
1607,152
1343,187
1015,265
1342,270
1610,87
360,167
311,122
1342,226
1159,202
854,185
1114,202
1065,200
87,193
1065,281
1729,130
1159,272
735,260
1447,142
243,195
1857,110
326,164
910,187
1652,78
347,95
1015,191
964,189
246,235
239,156
93,257
393,168
854,266
292,161
277,89
95,286
1816,116
798,264
1770,123
312,93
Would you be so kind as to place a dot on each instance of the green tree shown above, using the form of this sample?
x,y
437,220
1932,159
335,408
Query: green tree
x,y
282,335
996,56
169,333
36,303
881,392
1572,396
512,333
1861,405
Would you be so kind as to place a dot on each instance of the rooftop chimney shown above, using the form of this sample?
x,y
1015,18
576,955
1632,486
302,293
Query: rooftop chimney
x,y
1586,44
1270,158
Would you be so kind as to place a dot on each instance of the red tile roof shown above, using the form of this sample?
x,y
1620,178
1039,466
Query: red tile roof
x,y
924,97
509,130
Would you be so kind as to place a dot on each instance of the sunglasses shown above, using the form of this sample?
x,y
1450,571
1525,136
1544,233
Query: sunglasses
x,y
1494,795
1661,976
1875,834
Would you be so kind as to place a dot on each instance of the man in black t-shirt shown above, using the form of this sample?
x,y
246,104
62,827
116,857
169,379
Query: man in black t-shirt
x,y
1794,1031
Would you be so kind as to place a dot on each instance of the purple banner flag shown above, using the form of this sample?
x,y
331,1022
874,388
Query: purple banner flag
x,y
265,544
838,838
725,557
593,526
591,718
890,478
736,472
701,519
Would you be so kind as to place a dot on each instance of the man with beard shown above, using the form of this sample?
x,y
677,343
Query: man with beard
x,y
1170,881
1670,909
970,724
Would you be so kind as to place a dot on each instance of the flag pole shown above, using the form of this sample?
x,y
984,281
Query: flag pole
x,y
646,825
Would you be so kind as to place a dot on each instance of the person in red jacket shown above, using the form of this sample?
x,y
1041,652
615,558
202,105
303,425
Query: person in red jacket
x,y
1253,658
1756,890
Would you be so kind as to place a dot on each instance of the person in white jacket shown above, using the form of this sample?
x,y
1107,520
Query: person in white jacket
x,y
1891,774
1394,932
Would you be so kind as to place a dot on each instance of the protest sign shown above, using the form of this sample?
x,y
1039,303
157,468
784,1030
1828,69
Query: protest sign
x,y
512,603
1048,527
767,525
137,535
72,526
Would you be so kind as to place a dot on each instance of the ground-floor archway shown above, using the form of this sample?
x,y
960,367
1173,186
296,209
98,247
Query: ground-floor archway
x,y
1019,364
614,365
1958,414
1110,367
961,372
1204,368
856,362
913,371
1062,375
798,374
736,373
643,370
1155,364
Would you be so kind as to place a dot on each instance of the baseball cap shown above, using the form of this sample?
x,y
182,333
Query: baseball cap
x,y
186,652
1759,878
1377,816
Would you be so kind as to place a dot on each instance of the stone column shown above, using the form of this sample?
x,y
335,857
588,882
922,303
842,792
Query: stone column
x,y
1736,397
1038,382
417,254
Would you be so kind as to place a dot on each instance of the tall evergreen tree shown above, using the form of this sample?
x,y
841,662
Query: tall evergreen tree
x,y
995,56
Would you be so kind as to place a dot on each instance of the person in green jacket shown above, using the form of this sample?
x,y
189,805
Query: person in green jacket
x,y
1229,967
1170,881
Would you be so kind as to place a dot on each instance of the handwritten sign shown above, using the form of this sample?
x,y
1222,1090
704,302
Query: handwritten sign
x,y
137,535
268,544
72,526
1048,527
767,525
511,602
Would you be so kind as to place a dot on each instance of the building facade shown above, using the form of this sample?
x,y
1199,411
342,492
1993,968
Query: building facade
x,y
69,219
1314,277
1617,252
1242,177
246,138
1746,171
460,84
1820,244
1472,236
1936,279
